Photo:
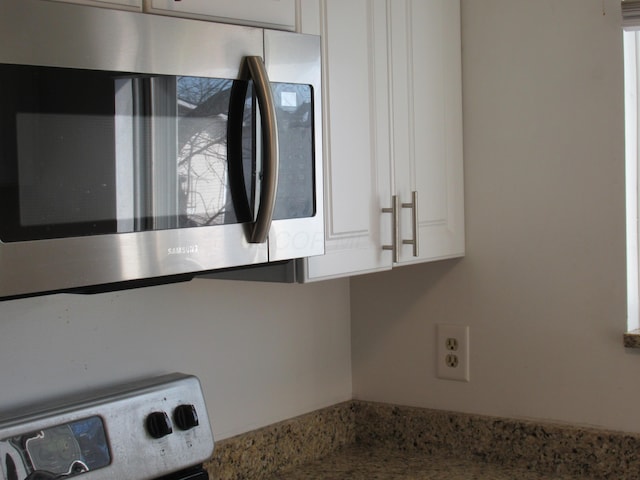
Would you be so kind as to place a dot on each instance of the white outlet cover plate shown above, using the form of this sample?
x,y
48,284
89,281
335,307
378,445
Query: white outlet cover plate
x,y
445,331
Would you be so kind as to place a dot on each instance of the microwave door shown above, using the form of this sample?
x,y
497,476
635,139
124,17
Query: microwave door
x,y
140,182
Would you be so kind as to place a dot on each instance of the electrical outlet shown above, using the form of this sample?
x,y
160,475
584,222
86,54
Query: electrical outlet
x,y
452,349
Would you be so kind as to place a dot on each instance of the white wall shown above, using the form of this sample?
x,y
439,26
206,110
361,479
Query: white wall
x,y
543,283
263,352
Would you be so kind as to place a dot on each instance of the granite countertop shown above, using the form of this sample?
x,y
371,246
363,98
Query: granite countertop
x,y
357,462
364,440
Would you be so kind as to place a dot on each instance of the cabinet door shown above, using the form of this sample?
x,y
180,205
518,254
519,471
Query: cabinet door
x,y
356,135
427,126
134,5
270,13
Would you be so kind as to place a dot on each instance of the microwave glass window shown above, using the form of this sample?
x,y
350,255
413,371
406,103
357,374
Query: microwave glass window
x,y
205,158
294,113
56,152
87,152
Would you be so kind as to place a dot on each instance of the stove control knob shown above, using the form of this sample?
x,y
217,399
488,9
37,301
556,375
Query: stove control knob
x,y
186,417
159,425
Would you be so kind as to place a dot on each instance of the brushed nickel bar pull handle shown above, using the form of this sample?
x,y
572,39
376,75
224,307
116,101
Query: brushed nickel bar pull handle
x,y
414,222
395,232
269,125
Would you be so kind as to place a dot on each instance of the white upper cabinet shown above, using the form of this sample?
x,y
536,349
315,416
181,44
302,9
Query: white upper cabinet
x,y
426,77
279,14
393,130
356,124
134,5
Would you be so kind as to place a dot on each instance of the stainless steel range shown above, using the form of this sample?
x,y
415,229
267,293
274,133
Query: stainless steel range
x,y
153,429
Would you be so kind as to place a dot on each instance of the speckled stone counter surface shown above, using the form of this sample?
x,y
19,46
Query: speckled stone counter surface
x,y
358,462
257,454
358,440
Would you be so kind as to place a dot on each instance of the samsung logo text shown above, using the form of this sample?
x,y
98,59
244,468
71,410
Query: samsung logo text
x,y
185,250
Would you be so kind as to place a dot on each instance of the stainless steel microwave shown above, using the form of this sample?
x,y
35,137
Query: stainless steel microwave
x,y
141,148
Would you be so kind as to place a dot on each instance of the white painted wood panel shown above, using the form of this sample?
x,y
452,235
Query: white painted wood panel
x,y
271,13
356,122
393,126
133,5
427,115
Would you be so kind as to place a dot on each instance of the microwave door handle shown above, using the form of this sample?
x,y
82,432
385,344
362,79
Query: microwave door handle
x,y
270,149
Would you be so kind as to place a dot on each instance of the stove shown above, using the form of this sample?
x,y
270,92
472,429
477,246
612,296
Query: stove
x,y
152,429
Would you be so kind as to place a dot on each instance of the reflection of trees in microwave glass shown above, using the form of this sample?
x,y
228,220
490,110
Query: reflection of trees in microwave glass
x,y
203,106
